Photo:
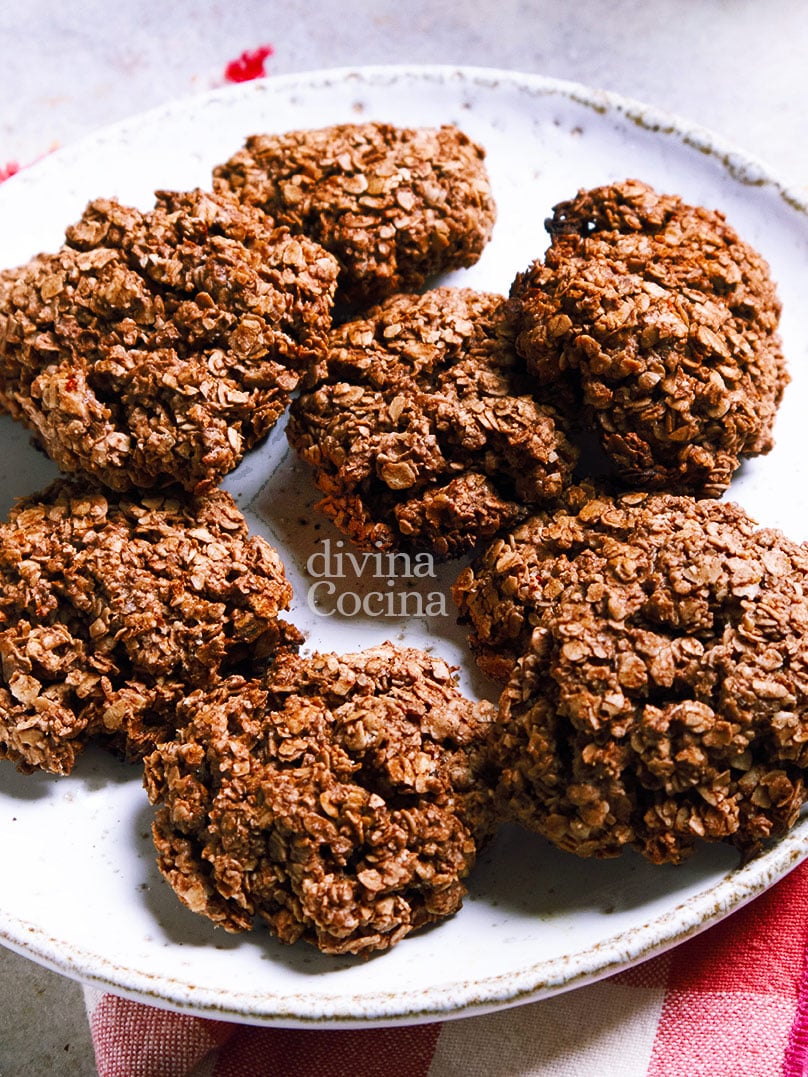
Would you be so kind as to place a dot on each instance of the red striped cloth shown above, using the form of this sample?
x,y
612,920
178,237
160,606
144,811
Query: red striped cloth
x,y
733,1000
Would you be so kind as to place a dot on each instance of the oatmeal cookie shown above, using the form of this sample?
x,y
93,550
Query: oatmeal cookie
x,y
668,321
663,696
503,592
112,608
422,430
394,205
155,348
336,799
8,278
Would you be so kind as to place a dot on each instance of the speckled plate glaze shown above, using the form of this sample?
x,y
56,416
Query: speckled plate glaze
x,y
80,892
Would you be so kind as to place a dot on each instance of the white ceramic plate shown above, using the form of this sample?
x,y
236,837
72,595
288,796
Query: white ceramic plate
x,y
80,891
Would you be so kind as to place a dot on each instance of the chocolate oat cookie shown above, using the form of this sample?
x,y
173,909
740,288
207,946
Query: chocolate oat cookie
x,y
663,696
155,348
394,205
337,800
422,429
668,321
8,278
113,607
503,592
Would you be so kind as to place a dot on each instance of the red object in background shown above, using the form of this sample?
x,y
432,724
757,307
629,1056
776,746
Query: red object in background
x,y
9,170
250,65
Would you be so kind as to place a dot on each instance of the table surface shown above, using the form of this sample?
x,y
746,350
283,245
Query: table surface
x,y
735,66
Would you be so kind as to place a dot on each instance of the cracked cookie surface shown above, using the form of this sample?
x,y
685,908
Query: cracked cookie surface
x,y
112,607
395,205
337,799
662,697
667,321
155,348
422,429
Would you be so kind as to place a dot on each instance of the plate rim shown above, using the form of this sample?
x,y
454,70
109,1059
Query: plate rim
x,y
742,165
737,888
700,911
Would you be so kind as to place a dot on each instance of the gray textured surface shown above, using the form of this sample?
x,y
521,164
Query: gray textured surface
x,y
736,66
43,1025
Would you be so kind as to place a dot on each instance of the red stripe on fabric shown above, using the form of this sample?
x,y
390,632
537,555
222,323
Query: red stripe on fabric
x,y
383,1052
133,1040
721,1033
795,1063
733,991
758,949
